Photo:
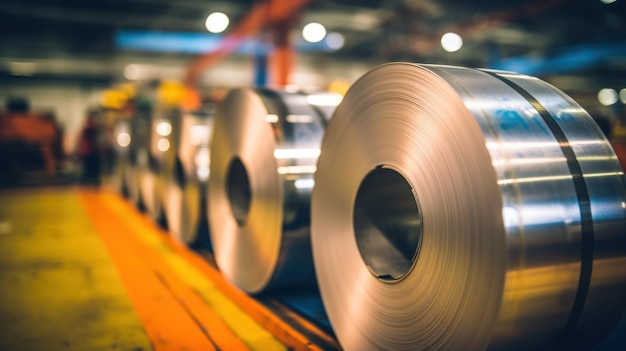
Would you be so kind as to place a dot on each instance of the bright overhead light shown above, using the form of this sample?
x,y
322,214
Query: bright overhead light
x,y
313,32
164,128
451,42
123,139
607,96
163,145
622,95
133,71
335,41
25,69
217,22
608,1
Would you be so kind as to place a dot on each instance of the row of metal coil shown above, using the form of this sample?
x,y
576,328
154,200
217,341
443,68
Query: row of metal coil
x,y
435,208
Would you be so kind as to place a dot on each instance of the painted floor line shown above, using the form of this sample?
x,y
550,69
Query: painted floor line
x,y
279,328
166,323
203,298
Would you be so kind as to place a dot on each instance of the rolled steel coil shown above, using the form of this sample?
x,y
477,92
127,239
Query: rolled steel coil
x,y
263,155
465,209
137,157
187,179
156,159
121,154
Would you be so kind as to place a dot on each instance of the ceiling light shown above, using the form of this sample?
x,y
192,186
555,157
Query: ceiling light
x,y
313,32
133,72
451,42
335,41
608,1
25,69
163,145
164,128
123,139
607,96
622,96
216,22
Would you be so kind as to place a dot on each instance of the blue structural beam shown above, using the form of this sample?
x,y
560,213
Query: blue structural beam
x,y
260,70
564,60
199,43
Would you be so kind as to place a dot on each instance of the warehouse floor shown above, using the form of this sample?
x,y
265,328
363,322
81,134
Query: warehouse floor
x,y
81,269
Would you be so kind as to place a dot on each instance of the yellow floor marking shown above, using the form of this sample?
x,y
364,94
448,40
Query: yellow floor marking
x,y
169,323
58,288
242,325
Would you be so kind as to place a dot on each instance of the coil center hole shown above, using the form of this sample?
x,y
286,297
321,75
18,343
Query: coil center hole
x,y
238,190
387,224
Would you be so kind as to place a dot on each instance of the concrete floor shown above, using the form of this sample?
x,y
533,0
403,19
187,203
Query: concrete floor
x,y
83,270
58,287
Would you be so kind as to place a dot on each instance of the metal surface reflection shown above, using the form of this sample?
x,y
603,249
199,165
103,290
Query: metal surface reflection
x,y
121,149
263,157
137,153
157,160
186,177
521,212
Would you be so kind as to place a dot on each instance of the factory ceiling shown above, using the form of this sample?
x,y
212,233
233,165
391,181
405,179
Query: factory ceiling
x,y
579,43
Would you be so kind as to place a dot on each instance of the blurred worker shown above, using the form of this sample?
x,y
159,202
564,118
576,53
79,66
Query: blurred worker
x,y
89,150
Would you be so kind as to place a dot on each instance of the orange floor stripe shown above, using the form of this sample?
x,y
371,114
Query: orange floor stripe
x,y
167,323
196,307
281,330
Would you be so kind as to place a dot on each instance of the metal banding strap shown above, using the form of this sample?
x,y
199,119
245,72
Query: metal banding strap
x,y
582,194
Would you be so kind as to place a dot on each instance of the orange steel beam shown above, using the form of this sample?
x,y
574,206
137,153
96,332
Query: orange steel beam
x,y
262,14
282,58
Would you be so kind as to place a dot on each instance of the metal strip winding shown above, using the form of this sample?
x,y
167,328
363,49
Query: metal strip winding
x,y
187,176
505,214
263,156
582,193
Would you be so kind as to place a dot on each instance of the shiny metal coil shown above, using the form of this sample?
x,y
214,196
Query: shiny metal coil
x,y
460,209
121,155
187,177
155,159
137,157
263,156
